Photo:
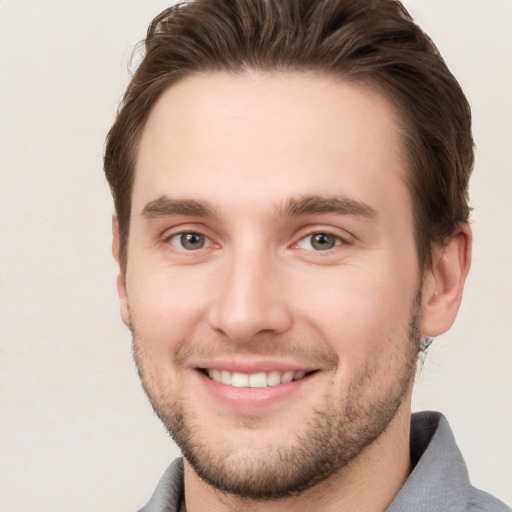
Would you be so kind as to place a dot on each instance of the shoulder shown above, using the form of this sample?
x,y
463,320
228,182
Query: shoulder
x,y
439,480
480,501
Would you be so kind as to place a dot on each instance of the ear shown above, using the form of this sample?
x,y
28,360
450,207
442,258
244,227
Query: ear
x,y
444,282
121,280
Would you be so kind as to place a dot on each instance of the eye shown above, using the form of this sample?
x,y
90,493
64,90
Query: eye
x,y
189,241
319,241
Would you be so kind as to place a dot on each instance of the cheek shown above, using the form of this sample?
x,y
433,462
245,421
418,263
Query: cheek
x,y
361,314
165,310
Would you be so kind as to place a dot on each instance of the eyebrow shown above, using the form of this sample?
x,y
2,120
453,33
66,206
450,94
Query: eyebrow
x,y
165,206
317,205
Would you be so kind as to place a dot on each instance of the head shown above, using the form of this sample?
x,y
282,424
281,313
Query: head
x,y
290,183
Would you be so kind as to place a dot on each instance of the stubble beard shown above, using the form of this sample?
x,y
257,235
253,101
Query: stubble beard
x,y
333,437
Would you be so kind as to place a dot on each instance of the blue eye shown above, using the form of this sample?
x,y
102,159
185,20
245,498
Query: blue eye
x,y
319,242
188,241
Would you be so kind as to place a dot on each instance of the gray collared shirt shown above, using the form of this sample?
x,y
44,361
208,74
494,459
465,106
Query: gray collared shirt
x,y
439,481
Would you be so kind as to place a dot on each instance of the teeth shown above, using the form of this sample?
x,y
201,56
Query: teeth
x,y
253,380
225,377
238,380
287,377
257,380
273,378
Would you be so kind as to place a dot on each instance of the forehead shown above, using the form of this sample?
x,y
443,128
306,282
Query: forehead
x,y
233,139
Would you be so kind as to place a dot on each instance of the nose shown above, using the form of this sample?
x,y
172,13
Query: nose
x,y
250,300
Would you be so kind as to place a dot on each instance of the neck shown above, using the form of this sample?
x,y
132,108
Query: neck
x,y
369,482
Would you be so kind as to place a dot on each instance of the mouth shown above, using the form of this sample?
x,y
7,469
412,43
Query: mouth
x,y
254,380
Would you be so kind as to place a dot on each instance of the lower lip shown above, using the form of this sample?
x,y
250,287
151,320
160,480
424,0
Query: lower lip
x,y
253,398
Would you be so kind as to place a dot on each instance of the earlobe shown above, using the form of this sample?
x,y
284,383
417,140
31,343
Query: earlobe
x,y
444,282
121,280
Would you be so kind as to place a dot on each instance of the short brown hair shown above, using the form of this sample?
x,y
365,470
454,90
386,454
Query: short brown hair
x,y
373,42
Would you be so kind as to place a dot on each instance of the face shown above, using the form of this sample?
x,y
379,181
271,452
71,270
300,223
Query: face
x,y
272,284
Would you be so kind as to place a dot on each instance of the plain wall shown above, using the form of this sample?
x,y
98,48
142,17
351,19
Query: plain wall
x,y
76,432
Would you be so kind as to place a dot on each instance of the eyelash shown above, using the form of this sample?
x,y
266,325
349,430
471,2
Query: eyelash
x,y
323,232
207,242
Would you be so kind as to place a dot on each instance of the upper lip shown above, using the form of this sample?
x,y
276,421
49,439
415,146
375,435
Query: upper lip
x,y
247,366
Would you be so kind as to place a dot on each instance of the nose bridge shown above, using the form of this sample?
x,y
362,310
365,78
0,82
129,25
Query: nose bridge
x,y
249,300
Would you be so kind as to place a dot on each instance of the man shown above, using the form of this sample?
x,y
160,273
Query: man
x,y
290,181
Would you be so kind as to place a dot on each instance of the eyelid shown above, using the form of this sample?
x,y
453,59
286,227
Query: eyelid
x,y
178,236
344,238
183,229
337,241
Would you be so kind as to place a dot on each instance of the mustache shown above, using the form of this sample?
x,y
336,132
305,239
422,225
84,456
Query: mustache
x,y
318,355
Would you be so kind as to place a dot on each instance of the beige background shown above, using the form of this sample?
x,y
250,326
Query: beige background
x,y
76,432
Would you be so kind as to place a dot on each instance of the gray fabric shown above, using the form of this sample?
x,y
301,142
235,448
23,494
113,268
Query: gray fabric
x,y
169,491
439,481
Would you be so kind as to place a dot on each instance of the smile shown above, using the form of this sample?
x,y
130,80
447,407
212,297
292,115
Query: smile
x,y
253,380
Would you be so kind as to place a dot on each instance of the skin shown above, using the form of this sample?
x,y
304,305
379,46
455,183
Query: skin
x,y
232,158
